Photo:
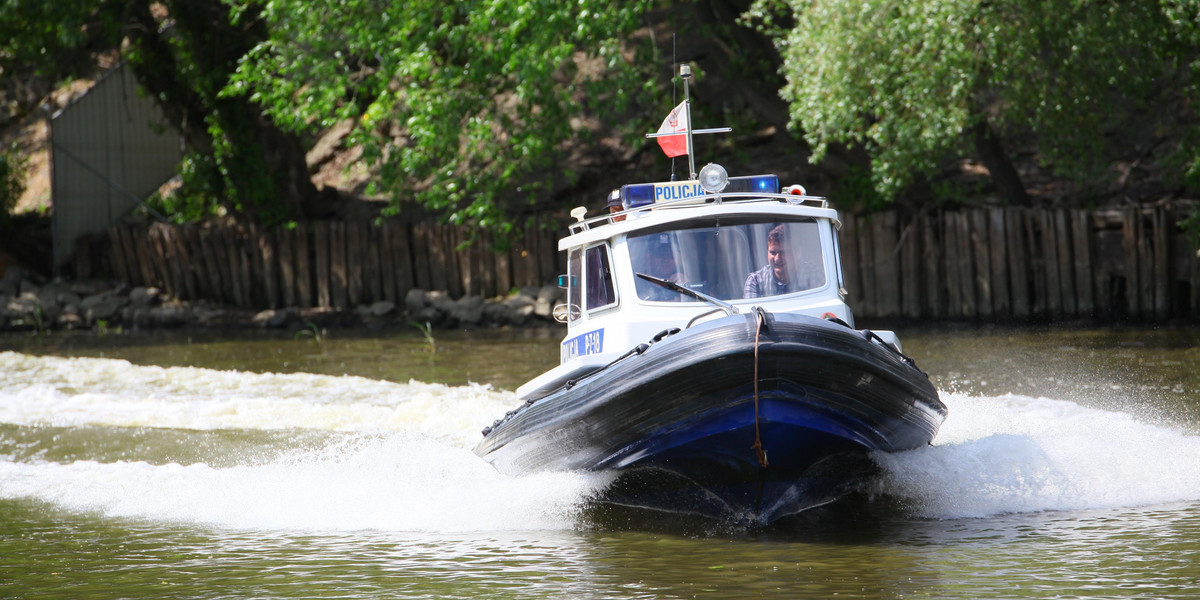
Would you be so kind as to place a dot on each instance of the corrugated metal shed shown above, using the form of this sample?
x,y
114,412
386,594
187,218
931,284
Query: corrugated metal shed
x,y
111,149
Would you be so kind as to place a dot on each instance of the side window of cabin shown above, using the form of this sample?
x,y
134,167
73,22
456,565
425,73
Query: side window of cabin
x,y
598,278
837,257
574,283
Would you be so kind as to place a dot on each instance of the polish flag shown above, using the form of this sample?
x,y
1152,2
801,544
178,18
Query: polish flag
x,y
676,122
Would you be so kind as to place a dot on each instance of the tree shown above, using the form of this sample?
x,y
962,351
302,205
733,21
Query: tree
x,y
183,52
453,103
917,82
12,181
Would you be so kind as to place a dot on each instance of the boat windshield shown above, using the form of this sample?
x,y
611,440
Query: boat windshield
x,y
730,261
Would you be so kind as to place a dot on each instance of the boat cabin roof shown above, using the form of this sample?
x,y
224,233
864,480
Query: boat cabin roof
x,y
710,206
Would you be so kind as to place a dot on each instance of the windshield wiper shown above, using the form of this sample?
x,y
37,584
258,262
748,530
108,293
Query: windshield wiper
x,y
729,309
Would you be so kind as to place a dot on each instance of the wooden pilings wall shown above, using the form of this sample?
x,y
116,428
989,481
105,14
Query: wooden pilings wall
x,y
337,264
991,265
1021,264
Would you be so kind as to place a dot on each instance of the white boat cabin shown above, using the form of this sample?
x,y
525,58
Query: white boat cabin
x,y
749,245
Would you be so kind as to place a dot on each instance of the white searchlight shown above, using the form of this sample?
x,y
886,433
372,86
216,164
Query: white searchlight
x,y
713,178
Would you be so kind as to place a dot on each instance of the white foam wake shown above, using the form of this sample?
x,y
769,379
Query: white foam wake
x,y
403,462
90,391
1010,453
401,482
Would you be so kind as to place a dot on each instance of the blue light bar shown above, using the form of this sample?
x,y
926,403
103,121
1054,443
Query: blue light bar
x,y
764,184
637,194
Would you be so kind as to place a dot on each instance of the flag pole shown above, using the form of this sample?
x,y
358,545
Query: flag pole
x,y
685,73
669,130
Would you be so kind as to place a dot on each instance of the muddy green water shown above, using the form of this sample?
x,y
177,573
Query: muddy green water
x,y
202,465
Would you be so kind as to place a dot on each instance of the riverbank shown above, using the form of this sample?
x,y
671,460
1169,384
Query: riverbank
x,y
31,303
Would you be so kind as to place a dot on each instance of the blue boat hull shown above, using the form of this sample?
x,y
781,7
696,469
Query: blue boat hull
x,y
680,423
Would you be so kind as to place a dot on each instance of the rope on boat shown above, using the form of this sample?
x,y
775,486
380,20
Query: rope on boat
x,y
760,317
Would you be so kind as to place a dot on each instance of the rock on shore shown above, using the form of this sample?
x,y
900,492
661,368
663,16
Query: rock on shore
x,y
27,304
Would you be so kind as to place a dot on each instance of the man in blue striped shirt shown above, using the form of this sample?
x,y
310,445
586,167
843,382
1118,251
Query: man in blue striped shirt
x,y
785,271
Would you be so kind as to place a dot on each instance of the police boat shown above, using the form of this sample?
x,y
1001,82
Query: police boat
x,y
711,361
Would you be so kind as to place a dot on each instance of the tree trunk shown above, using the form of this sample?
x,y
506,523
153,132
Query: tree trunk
x,y
749,55
284,154
1004,174
185,67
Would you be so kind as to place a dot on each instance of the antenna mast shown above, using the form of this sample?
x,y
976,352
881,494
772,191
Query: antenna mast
x,y
674,86
685,73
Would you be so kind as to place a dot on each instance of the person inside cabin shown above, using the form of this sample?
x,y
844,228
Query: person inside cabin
x,y
786,270
658,260
615,206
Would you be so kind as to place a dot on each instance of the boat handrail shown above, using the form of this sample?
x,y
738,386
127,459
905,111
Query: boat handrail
x,y
713,199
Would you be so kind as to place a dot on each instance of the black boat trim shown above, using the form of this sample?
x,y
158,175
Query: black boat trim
x,y
871,335
575,378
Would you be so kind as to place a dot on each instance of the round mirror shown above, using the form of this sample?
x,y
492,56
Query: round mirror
x,y
565,312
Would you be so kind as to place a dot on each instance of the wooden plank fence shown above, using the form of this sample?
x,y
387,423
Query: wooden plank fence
x,y
327,264
990,265
1022,265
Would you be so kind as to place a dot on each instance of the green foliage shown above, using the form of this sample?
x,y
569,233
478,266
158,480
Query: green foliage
x,y
193,200
229,165
427,331
1186,161
13,164
312,331
907,80
41,36
457,101
950,193
854,188
183,52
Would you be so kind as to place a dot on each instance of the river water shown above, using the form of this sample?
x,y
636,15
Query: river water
x,y
198,465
